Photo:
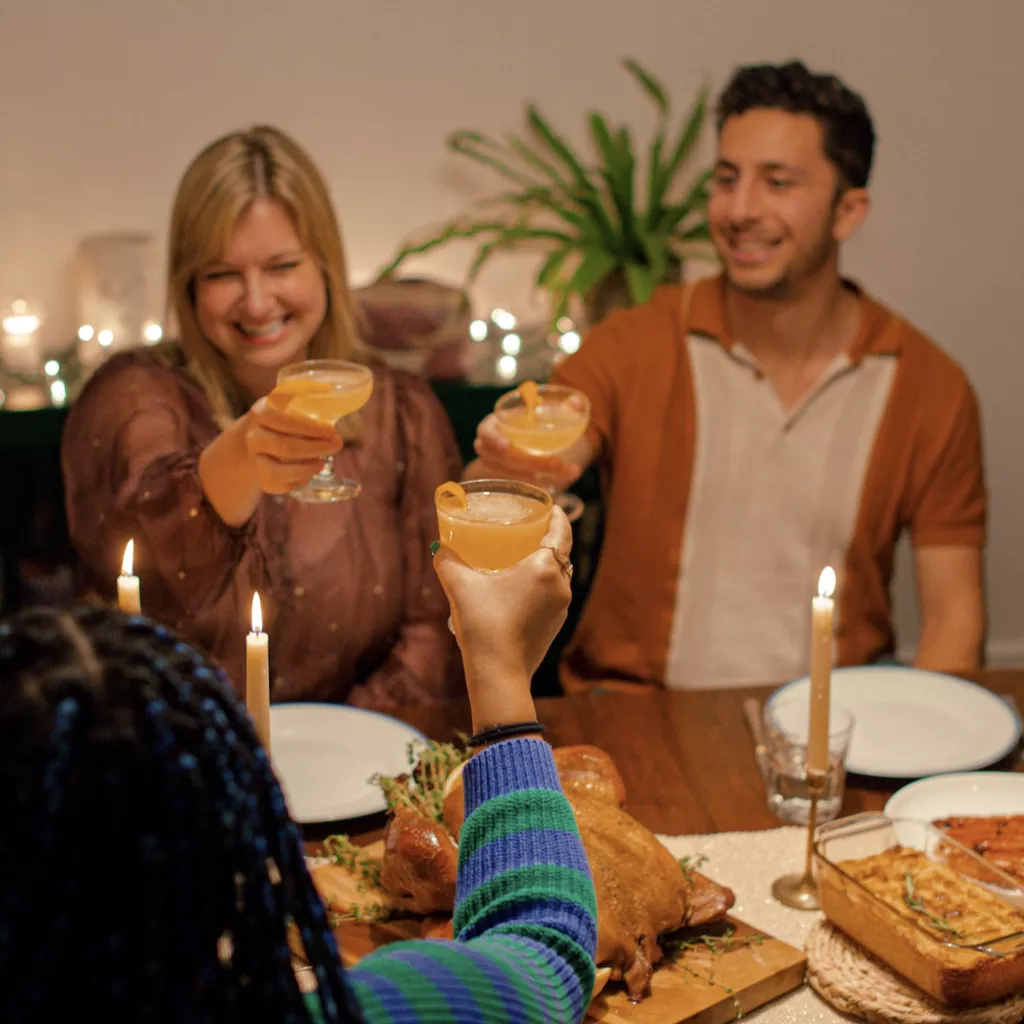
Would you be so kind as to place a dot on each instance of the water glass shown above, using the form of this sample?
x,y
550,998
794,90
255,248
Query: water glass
x,y
786,722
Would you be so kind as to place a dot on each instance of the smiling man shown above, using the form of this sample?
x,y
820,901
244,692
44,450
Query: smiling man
x,y
760,425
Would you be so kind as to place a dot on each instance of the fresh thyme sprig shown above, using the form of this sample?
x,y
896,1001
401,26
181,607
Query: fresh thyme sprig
x,y
690,865
346,854
706,944
911,900
362,913
726,942
422,789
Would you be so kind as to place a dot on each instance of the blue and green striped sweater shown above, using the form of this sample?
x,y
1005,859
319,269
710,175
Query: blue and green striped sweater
x,y
525,911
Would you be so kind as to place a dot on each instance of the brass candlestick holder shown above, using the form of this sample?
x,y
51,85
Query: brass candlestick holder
x,y
801,891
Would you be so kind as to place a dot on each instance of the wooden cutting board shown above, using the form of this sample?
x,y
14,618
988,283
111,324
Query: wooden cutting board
x,y
693,985
698,986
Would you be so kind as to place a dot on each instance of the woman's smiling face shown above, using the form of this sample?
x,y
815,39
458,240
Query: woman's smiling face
x,y
263,301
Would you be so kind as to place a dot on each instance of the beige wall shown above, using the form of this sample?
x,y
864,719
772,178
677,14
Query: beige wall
x,y
103,103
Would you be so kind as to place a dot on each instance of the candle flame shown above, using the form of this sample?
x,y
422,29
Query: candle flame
x,y
827,582
129,558
257,614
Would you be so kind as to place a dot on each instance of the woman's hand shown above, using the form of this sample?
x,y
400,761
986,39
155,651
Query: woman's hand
x,y
505,622
286,450
264,451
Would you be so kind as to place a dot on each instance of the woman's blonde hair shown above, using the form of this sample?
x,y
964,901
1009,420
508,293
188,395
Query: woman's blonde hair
x,y
217,189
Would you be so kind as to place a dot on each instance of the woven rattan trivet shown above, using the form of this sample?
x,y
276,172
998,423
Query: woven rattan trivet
x,y
854,982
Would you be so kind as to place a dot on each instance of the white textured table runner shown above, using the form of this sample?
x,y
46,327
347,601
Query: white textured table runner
x,y
748,863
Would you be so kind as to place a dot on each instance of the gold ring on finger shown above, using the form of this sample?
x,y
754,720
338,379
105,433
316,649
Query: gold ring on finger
x,y
563,560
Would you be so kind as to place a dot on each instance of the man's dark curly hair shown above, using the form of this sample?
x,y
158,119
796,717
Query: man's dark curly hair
x,y
848,134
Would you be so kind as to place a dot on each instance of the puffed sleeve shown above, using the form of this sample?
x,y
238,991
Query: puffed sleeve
x,y
129,456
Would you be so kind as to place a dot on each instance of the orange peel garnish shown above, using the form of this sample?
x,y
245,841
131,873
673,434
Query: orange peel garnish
x,y
452,489
527,391
280,398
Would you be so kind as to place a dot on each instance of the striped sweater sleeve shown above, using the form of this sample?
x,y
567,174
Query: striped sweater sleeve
x,y
525,919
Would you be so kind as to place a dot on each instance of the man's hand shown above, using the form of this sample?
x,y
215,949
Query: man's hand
x,y
498,457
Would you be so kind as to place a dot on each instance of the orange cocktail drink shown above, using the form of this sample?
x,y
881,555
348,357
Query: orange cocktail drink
x,y
492,524
543,419
326,390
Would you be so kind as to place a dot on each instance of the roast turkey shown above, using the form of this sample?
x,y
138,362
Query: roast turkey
x,y
642,890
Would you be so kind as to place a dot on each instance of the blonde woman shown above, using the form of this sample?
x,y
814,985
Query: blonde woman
x,y
177,448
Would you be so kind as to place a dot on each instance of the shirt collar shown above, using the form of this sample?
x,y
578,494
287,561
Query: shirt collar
x,y
880,332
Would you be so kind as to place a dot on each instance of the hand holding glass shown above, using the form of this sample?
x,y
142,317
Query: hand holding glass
x,y
545,419
492,524
325,390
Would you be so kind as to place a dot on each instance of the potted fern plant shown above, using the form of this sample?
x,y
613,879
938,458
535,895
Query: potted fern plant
x,y
605,239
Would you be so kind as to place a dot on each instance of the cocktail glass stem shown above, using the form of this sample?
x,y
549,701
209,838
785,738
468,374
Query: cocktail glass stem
x,y
570,504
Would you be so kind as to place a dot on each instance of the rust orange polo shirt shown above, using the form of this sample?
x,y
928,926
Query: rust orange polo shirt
x,y
722,508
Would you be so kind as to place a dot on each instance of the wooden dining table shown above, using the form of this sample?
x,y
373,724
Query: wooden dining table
x,y
686,757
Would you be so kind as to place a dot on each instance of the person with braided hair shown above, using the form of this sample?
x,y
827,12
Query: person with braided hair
x,y
176,447
149,870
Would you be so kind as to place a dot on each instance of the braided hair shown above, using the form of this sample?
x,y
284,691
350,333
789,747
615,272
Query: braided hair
x,y
149,871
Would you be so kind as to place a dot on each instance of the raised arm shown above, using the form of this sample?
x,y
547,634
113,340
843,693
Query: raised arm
x,y
525,914
130,457
525,911
597,370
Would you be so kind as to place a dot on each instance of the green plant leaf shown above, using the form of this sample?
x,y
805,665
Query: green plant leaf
x,y
487,149
536,161
456,230
641,282
553,202
584,218
557,145
562,297
695,201
484,253
442,236
689,136
654,172
606,145
657,252
628,210
648,83
588,192
551,266
617,172
589,227
687,140
515,236
594,267
467,143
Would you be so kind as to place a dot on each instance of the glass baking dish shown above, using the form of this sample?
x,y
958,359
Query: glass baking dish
x,y
955,971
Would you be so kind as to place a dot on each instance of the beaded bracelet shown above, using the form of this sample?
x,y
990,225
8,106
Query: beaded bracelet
x,y
505,732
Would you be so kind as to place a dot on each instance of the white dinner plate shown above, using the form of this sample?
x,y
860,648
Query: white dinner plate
x,y
971,794
325,755
909,723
